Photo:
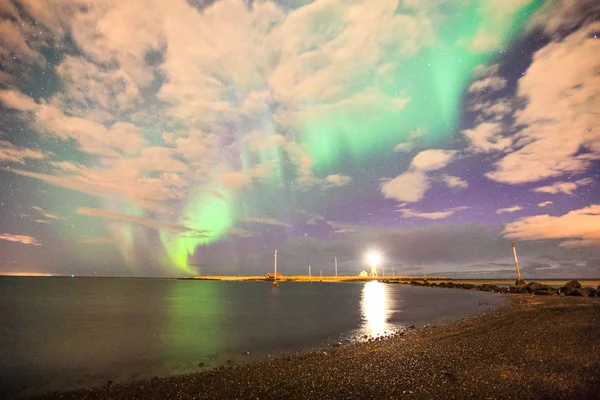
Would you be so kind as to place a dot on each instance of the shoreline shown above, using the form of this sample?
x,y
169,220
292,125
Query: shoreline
x,y
531,347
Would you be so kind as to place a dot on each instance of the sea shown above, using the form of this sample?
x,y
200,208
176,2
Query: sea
x,y
60,333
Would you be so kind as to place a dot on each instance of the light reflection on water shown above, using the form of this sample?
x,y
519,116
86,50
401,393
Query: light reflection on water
x,y
375,307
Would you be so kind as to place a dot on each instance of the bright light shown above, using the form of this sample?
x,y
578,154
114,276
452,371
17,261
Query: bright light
x,y
373,258
375,308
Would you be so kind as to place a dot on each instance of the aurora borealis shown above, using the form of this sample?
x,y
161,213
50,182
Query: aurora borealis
x,y
150,138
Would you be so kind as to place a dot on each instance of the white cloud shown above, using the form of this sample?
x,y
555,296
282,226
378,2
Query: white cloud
x,y
455,182
563,187
544,204
13,154
489,84
509,209
23,239
411,141
429,160
487,137
408,187
409,213
265,221
133,219
45,213
559,119
337,180
578,227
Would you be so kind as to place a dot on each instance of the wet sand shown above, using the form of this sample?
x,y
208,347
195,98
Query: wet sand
x,y
535,347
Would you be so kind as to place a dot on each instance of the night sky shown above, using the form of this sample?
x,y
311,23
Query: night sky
x,y
175,138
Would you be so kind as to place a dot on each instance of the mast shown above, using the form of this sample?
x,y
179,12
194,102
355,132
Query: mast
x,y
275,268
516,262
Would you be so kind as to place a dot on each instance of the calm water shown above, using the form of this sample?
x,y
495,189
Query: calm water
x,y
64,333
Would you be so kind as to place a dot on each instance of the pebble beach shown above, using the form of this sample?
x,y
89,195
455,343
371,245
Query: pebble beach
x,y
534,347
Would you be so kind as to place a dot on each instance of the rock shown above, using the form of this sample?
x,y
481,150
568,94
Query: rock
x,y
468,286
577,292
572,285
247,353
443,284
512,289
533,286
489,288
412,327
434,284
450,284
201,364
591,292
520,283
416,283
425,283
545,291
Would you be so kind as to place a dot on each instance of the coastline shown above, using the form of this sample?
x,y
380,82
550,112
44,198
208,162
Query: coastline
x,y
532,347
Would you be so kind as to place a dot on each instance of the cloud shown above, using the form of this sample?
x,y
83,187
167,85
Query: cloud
x,y
411,186
455,182
19,239
142,221
45,213
97,240
487,137
265,221
579,228
557,134
337,180
409,213
509,210
408,187
544,204
429,160
411,142
489,84
13,154
563,187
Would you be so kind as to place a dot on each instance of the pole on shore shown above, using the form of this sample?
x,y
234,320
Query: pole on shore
x,y
275,271
424,272
309,274
335,266
519,280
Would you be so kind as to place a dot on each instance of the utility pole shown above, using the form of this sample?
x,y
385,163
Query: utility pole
x,y
336,266
309,274
519,280
393,271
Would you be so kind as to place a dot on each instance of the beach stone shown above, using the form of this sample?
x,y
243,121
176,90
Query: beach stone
x,y
434,284
533,286
512,289
468,286
572,285
577,292
488,288
443,284
546,291
450,284
591,292
520,283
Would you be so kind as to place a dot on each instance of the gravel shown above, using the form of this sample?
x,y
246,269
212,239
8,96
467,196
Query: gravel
x,y
532,348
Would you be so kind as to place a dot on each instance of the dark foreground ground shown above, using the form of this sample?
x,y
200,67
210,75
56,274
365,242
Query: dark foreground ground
x,y
536,347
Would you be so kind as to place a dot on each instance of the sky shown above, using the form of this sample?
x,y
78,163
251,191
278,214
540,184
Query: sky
x,y
180,138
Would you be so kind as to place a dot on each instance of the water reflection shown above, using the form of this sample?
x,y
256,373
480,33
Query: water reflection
x,y
375,306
